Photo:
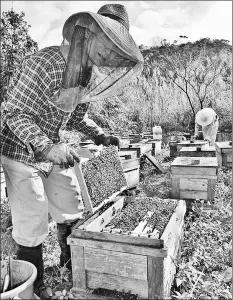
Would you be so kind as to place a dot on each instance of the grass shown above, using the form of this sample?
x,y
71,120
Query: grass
x,y
204,268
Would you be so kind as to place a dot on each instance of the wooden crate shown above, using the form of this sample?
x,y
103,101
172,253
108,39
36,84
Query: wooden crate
x,y
206,151
194,181
156,146
224,154
124,142
173,148
131,167
135,138
186,143
141,148
142,265
127,154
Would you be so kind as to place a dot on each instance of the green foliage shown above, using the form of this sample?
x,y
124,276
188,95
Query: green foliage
x,y
16,43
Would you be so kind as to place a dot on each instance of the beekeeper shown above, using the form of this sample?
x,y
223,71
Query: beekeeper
x,y
208,119
52,90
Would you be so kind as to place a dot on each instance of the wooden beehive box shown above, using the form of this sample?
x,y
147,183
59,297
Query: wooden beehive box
x,y
194,181
205,151
135,263
147,135
173,148
131,167
135,138
141,148
188,143
224,154
156,146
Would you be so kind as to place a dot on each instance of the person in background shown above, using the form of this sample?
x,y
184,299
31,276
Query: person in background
x,y
52,91
208,119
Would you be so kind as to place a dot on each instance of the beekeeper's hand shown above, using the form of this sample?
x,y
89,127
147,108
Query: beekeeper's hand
x,y
107,140
207,140
59,154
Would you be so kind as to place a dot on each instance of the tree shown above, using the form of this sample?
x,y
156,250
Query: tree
x,y
181,79
16,43
192,70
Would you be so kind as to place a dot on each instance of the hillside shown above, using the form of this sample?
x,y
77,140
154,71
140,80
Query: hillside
x,y
176,82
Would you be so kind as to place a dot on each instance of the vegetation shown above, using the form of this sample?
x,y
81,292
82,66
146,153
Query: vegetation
x,y
177,81
16,43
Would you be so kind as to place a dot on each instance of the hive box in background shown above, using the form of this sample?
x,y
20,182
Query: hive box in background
x,y
194,181
141,148
224,154
131,167
196,143
205,151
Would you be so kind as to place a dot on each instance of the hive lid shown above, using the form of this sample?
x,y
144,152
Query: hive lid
x,y
224,145
186,162
193,149
196,142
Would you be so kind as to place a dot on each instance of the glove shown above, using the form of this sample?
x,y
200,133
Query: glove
x,y
207,140
107,140
59,154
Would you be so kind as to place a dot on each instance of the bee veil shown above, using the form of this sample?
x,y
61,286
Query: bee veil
x,y
94,82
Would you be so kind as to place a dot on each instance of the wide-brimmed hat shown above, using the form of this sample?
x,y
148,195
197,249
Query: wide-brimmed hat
x,y
114,22
205,116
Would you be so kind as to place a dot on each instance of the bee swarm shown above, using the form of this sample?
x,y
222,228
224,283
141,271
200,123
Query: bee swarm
x,y
134,212
104,175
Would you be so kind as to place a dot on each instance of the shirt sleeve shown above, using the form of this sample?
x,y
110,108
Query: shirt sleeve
x,y
33,85
80,122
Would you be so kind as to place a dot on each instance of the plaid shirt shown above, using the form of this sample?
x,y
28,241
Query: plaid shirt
x,y
28,118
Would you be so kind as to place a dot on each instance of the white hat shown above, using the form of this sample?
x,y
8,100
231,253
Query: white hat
x,y
205,116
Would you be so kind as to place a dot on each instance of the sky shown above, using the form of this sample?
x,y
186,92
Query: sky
x,y
150,21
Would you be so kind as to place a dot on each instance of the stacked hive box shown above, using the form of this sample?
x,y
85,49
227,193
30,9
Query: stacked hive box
x,y
195,143
176,146
194,177
141,148
224,154
156,146
173,148
206,151
131,166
